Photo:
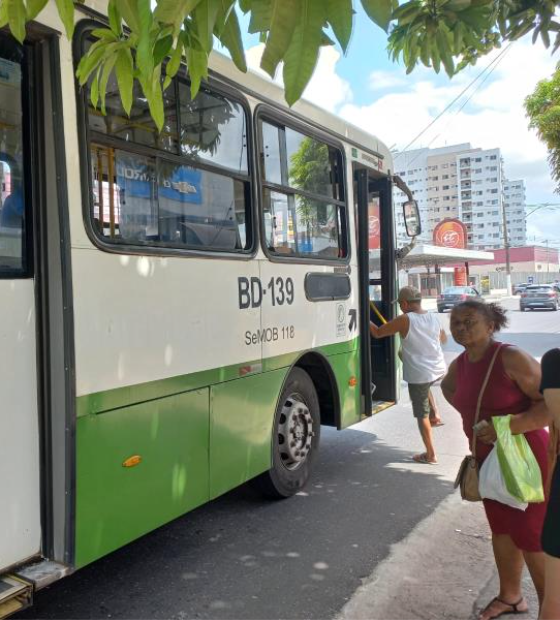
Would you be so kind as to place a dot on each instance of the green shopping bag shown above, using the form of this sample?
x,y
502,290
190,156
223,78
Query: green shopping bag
x,y
519,466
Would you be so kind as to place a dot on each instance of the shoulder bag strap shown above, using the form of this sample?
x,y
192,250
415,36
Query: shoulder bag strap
x,y
481,394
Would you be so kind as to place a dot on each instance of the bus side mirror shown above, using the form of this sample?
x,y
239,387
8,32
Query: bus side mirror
x,y
411,215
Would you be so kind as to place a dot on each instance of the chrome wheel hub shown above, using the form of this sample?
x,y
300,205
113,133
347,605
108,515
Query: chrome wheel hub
x,y
295,432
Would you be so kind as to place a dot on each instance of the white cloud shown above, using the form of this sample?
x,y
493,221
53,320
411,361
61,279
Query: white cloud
x,y
385,79
326,88
494,116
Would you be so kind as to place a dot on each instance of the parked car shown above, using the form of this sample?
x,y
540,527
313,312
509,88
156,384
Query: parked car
x,y
454,295
540,296
519,288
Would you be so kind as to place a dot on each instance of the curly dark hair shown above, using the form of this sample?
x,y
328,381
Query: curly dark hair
x,y
491,312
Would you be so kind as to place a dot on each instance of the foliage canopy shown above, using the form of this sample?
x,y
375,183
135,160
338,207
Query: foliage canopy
x,y
147,44
543,110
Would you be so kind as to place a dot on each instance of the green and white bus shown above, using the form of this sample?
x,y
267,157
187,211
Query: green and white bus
x,y
181,311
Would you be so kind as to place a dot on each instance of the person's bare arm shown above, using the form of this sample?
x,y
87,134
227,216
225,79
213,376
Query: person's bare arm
x,y
448,385
396,326
552,400
442,336
525,372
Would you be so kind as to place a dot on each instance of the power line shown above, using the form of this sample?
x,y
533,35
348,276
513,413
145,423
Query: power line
x,y
488,67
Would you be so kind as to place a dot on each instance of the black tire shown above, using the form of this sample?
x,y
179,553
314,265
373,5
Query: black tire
x,y
290,471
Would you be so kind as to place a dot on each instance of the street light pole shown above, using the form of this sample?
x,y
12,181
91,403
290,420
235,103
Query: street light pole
x,y
506,247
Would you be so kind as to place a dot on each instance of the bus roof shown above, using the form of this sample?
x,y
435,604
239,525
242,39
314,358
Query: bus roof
x,y
265,89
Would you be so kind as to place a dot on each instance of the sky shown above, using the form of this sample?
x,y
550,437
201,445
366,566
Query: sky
x,y
368,89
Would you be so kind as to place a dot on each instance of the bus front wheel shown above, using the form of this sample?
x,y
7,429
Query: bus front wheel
x,y
297,429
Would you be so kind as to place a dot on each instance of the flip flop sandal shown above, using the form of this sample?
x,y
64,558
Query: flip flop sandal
x,y
423,458
436,424
507,612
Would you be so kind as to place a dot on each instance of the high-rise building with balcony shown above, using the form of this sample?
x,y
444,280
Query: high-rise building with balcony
x,y
460,182
514,204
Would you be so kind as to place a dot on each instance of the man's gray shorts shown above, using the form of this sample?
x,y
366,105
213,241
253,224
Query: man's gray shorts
x,y
419,398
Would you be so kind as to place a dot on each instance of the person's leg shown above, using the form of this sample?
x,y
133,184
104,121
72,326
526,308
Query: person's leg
x,y
421,410
425,429
509,561
550,609
535,564
435,418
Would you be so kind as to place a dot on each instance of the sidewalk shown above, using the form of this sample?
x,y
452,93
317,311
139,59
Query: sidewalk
x,y
444,569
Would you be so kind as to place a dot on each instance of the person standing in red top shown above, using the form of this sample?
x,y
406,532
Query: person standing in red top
x,y
513,388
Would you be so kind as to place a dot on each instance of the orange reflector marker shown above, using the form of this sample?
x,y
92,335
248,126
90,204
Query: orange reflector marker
x,y
132,461
352,382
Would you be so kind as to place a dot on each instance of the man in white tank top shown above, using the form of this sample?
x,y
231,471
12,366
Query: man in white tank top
x,y
422,357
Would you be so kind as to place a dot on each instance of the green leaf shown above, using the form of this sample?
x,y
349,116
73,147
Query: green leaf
x,y
129,12
125,80
302,55
379,11
16,18
425,54
285,17
34,7
445,52
115,19
144,49
174,12
3,13
155,101
197,64
104,33
93,58
105,74
175,61
245,5
94,91
204,17
339,15
231,38
66,12
261,15
162,49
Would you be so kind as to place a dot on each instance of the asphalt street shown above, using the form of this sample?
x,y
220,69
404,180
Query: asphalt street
x,y
243,557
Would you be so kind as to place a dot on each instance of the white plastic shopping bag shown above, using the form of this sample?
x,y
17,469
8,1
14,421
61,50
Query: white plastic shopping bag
x,y
492,485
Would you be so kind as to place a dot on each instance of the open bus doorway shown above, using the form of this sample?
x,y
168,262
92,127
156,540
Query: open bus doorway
x,y
377,261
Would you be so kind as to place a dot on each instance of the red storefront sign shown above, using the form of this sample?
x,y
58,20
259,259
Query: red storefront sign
x,y
460,276
451,233
374,224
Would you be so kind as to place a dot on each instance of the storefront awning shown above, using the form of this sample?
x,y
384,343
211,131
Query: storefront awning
x,y
423,254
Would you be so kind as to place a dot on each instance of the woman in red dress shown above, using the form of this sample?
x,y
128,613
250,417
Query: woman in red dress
x,y
513,388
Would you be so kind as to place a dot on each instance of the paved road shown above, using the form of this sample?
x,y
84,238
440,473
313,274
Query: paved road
x,y
535,331
242,557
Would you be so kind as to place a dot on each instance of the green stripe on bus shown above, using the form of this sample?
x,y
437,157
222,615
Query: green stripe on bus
x,y
186,449
100,402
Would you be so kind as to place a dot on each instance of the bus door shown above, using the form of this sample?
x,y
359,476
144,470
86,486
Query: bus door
x,y
20,523
377,261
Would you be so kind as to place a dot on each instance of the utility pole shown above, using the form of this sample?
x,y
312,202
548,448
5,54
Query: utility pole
x,y
506,247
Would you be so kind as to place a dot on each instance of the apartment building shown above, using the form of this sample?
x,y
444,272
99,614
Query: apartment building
x,y
461,182
431,175
514,204
481,180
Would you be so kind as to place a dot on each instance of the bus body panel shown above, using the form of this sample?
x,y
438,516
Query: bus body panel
x,y
115,503
156,318
242,414
20,524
